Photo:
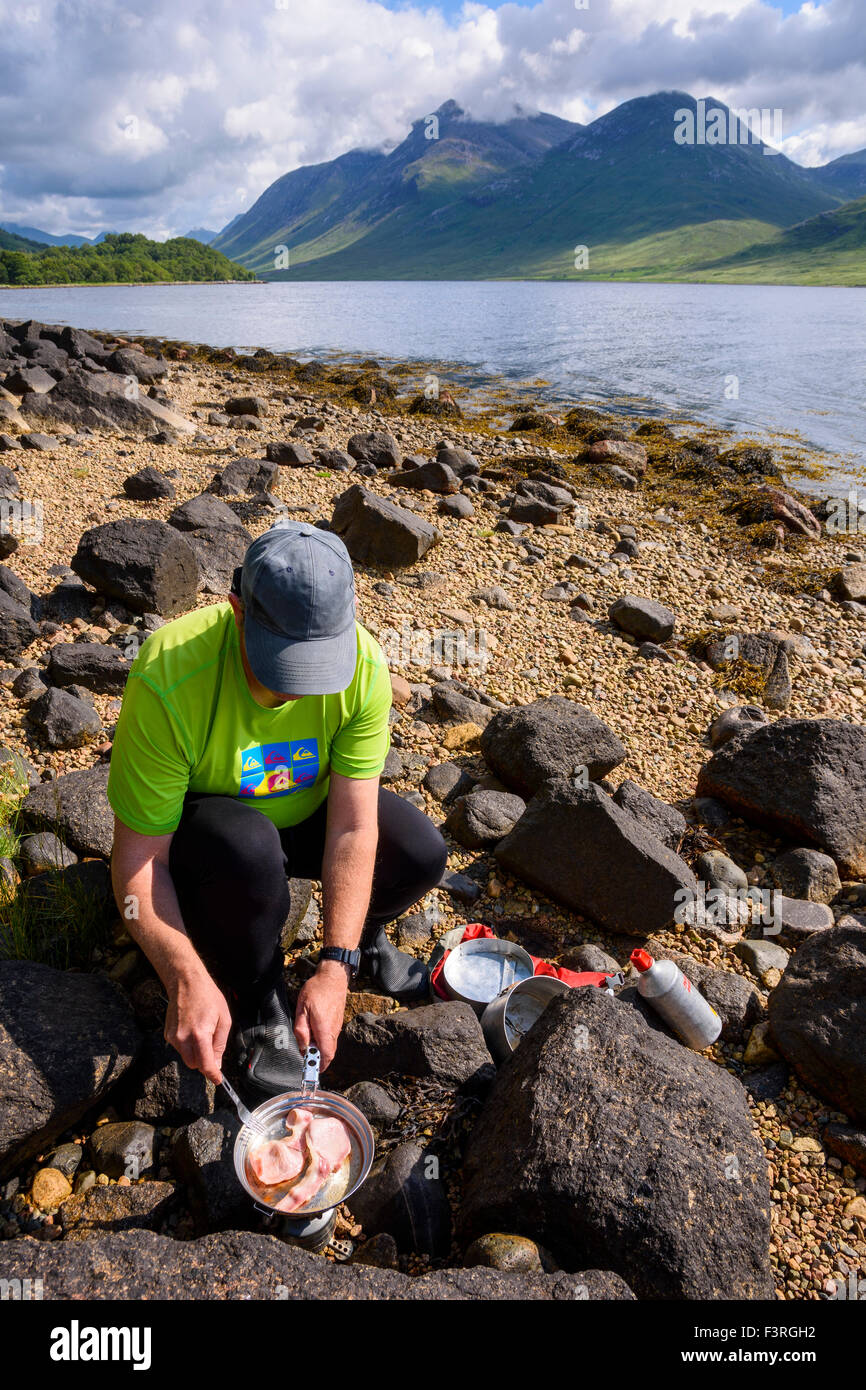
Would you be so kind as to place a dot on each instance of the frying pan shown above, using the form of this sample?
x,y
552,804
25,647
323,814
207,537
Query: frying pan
x,y
270,1121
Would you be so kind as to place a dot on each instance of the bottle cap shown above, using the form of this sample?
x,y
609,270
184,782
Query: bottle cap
x,y
641,960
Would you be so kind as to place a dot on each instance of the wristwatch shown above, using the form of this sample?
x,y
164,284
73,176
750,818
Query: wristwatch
x,y
350,958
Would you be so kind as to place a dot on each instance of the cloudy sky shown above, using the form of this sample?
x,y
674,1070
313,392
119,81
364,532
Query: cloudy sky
x,y
161,115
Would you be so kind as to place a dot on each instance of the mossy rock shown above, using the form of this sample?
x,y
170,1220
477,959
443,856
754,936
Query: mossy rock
x,y
437,406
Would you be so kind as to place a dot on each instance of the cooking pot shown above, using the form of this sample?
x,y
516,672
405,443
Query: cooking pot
x,y
512,1013
269,1119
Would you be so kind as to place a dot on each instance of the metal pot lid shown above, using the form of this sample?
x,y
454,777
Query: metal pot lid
x,y
478,970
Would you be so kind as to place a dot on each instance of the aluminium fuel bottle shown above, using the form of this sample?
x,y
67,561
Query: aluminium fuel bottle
x,y
673,996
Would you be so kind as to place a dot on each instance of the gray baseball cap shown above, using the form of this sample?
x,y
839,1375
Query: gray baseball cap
x,y
298,591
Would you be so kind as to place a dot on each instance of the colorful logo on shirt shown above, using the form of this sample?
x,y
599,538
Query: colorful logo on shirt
x,y
278,769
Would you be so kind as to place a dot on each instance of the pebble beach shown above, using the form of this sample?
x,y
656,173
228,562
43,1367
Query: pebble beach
x,y
534,605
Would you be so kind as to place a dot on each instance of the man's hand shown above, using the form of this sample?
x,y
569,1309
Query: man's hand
x,y
320,1008
198,1023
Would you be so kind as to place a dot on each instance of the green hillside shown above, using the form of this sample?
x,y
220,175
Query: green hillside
x,y
846,175
121,258
516,200
829,248
35,234
11,241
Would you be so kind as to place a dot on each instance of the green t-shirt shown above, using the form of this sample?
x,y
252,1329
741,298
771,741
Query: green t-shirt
x,y
189,723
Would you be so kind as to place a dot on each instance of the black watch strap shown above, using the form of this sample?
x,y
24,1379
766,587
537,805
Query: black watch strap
x,y
350,958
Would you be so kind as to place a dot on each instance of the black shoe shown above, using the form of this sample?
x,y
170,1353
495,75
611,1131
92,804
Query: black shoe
x,y
404,977
264,1047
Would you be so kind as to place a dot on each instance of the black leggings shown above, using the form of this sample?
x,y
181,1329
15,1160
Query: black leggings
x,y
230,865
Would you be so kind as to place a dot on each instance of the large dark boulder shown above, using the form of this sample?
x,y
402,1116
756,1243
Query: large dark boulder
x,y
803,778
203,512
405,1196
27,330
91,664
216,535
603,1137
64,720
47,355
440,1041
76,342
26,381
128,362
167,1091
453,700
818,1016
579,847
17,628
376,447
142,1265
148,485
553,737
484,817
142,1207
667,823
219,551
289,453
107,402
532,510
64,1039
148,565
202,1158
76,807
243,475
432,476
246,405
376,532
643,618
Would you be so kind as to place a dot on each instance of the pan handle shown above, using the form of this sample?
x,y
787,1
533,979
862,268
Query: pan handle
x,y
312,1061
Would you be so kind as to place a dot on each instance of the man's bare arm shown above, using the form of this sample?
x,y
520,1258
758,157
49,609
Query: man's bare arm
x,y
347,877
198,1020
347,863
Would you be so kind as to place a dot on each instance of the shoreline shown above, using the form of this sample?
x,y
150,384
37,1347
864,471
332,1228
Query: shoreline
x,y
126,284
477,387
833,458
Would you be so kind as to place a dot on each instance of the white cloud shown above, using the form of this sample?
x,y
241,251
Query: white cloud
x,y
225,98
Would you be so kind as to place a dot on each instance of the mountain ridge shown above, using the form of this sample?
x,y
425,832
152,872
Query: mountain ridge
x,y
519,198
